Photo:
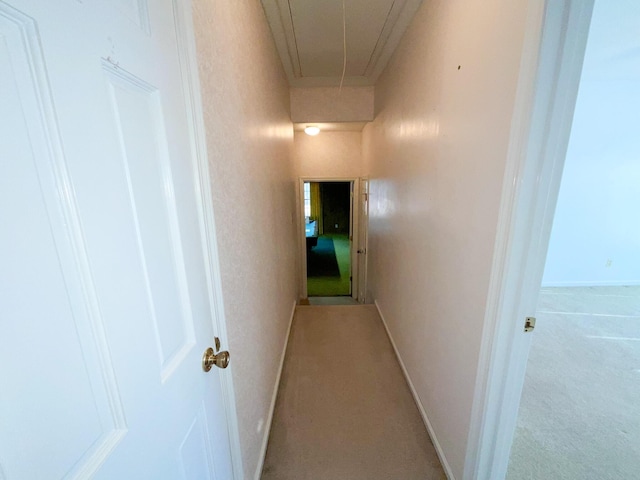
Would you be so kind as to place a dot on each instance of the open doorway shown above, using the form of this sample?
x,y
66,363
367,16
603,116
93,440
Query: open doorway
x,y
546,103
579,410
328,221
332,250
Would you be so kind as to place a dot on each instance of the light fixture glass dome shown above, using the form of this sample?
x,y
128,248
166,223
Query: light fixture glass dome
x,y
312,130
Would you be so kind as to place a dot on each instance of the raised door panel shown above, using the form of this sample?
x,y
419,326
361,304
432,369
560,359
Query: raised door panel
x,y
195,456
55,369
138,118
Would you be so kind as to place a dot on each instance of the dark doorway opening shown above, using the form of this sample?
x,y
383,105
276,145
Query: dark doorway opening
x,y
327,227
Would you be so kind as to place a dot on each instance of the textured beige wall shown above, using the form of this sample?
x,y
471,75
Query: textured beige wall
x,y
330,104
436,155
329,154
249,138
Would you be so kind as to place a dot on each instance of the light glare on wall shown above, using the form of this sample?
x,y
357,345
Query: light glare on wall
x,y
311,130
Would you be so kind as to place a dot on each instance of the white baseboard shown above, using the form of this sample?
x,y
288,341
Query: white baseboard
x,y
416,398
592,283
267,427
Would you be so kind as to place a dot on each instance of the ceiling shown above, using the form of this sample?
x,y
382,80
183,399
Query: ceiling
x,y
309,38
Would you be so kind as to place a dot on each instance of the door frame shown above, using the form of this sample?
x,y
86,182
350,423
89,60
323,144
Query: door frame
x,y
551,66
195,116
363,239
353,229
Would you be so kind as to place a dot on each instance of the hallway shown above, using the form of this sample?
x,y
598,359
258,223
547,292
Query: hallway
x,y
153,179
344,409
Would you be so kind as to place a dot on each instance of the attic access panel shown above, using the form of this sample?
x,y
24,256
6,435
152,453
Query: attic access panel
x,y
309,38
319,35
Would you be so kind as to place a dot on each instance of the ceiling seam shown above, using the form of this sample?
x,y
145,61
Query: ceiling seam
x,y
295,38
379,37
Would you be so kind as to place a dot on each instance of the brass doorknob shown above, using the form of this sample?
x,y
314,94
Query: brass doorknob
x,y
209,359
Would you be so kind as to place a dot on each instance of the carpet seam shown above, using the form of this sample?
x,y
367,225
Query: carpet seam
x,y
416,399
274,395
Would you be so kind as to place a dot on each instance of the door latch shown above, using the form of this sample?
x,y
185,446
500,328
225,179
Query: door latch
x,y
529,324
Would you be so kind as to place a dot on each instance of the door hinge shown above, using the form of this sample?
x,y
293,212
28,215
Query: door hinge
x,y
529,324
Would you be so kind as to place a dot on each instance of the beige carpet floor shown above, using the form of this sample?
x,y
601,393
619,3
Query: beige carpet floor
x,y
579,415
344,410
343,300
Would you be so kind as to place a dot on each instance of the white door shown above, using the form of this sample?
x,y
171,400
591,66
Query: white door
x,y
104,307
363,219
353,268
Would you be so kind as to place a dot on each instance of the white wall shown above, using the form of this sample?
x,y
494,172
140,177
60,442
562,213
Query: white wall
x,y
250,137
329,154
332,104
595,238
436,156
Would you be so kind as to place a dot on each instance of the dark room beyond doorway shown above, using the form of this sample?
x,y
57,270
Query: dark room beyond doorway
x,y
327,229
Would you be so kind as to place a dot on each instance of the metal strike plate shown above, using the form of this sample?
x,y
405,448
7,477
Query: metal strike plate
x,y
529,324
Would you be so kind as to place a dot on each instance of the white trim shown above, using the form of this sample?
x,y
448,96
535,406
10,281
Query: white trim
x,y
302,239
354,233
416,398
593,283
363,240
552,56
274,395
188,54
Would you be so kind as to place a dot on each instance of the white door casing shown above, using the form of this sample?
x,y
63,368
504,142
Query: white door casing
x,y
106,292
555,42
363,239
352,243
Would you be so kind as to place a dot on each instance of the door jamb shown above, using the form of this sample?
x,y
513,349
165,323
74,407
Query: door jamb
x,y
553,52
363,226
302,242
195,117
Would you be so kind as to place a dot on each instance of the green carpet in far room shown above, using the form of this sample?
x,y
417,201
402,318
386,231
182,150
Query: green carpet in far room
x,y
329,267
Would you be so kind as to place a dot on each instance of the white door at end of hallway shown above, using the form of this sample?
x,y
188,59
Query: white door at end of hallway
x,y
105,309
363,219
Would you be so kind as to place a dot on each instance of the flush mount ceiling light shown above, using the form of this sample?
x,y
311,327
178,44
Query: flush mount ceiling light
x,y
311,130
